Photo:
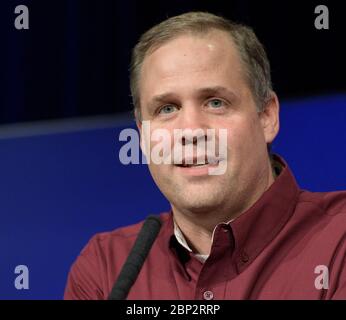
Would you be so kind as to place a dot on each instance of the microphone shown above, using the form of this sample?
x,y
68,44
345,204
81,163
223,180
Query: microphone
x,y
136,258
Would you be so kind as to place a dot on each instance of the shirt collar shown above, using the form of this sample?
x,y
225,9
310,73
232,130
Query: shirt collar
x,y
181,239
257,226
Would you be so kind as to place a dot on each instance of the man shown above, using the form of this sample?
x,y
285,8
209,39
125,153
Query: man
x,y
248,233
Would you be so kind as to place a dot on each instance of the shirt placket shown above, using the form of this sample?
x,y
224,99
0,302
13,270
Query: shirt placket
x,y
218,268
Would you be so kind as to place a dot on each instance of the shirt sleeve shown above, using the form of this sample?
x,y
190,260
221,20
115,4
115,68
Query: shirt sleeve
x,y
340,292
338,272
84,282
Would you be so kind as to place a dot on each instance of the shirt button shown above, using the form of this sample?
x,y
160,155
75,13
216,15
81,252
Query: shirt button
x,y
208,295
225,228
244,257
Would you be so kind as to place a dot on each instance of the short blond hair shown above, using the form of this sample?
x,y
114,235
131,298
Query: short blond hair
x,y
252,53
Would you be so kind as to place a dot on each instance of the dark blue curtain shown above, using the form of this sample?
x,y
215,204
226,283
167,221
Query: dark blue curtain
x,y
73,61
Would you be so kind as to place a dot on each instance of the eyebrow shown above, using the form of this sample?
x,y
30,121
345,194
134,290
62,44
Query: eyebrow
x,y
207,91
215,90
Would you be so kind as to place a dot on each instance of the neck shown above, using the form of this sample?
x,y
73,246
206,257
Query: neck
x,y
198,227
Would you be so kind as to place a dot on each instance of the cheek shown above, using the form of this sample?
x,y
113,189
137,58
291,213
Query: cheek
x,y
244,136
155,171
161,175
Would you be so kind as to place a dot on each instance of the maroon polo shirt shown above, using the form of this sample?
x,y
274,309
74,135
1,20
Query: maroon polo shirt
x,y
289,245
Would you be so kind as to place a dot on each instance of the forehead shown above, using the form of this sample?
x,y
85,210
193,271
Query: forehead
x,y
192,58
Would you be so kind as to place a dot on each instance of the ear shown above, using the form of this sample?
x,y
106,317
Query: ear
x,y
139,125
269,118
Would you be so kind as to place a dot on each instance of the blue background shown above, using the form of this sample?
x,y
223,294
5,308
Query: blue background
x,y
60,186
61,180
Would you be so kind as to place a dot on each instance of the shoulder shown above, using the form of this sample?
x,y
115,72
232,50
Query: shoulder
x,y
323,216
93,272
119,237
332,204
122,237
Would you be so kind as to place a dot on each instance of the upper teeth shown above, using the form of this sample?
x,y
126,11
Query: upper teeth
x,y
191,163
194,164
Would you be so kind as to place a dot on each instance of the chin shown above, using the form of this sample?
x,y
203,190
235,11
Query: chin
x,y
196,202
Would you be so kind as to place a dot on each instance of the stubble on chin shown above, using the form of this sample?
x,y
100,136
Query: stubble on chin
x,y
196,198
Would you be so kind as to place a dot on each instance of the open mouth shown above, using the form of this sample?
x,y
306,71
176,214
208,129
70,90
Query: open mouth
x,y
192,165
197,165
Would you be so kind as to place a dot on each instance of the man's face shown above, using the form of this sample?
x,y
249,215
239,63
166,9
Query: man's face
x,y
196,82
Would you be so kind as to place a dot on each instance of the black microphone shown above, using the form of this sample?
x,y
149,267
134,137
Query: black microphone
x,y
136,258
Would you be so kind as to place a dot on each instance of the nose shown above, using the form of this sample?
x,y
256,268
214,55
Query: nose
x,y
193,124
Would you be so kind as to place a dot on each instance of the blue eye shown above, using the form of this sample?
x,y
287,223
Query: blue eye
x,y
168,108
215,103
